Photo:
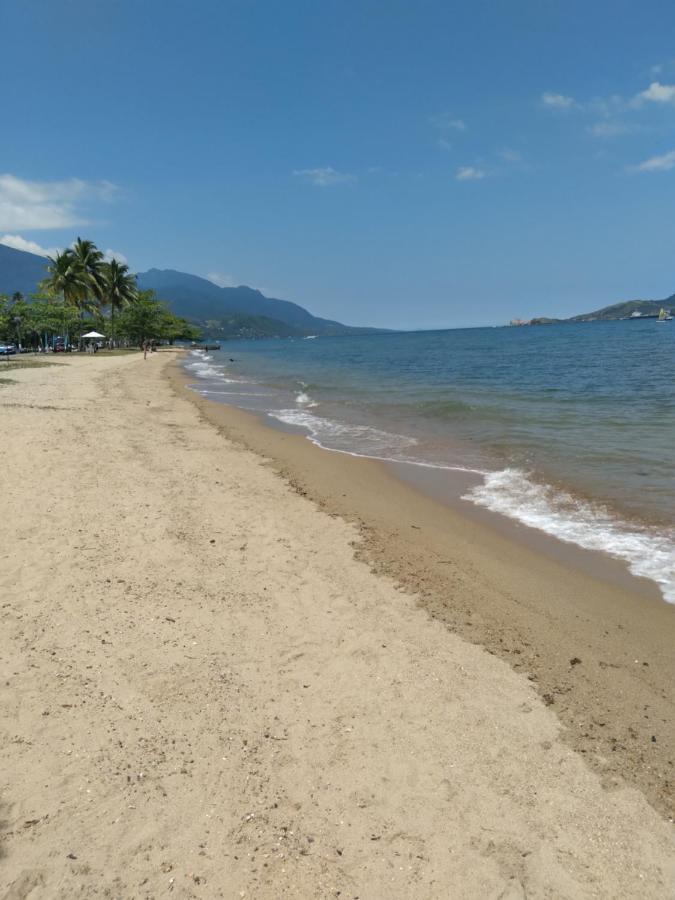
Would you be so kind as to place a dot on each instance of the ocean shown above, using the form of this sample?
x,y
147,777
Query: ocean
x,y
569,429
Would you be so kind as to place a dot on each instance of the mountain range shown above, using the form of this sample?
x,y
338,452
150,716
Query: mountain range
x,y
245,312
220,311
210,306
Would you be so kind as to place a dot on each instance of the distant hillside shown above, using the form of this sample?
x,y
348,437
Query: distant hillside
x,y
623,310
202,302
20,271
238,325
230,311
626,309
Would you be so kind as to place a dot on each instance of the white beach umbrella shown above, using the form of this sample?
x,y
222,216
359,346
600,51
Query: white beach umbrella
x,y
93,334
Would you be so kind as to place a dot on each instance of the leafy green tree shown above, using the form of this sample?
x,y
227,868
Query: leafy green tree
x,y
46,317
119,290
174,328
4,317
148,319
17,314
66,279
142,320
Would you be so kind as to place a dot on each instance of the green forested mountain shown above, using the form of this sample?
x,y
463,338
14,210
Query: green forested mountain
x,y
229,311
239,325
20,271
201,301
626,309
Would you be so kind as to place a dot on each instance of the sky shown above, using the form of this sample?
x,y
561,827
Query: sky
x,y
413,164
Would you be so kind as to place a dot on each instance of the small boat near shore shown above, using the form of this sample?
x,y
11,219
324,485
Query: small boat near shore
x,y
663,316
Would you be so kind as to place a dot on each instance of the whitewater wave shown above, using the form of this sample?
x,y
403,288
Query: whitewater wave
x,y
360,441
341,435
648,553
302,398
205,371
239,393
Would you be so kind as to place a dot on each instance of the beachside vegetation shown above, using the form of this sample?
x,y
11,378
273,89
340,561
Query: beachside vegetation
x,y
83,292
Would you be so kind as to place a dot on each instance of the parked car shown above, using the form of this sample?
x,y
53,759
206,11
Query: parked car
x,y
6,349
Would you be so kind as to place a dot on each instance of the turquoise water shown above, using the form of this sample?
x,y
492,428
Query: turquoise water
x,y
569,428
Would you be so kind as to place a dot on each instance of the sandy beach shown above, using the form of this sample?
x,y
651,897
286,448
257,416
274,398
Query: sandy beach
x,y
236,666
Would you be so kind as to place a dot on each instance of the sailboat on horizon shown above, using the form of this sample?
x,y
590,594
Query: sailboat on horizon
x,y
664,316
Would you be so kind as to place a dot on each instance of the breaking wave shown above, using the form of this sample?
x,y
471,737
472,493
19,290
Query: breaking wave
x,y
648,553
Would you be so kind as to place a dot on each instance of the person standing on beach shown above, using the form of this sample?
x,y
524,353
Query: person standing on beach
x,y
145,349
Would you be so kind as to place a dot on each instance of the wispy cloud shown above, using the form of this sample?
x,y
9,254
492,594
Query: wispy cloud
x,y
656,93
48,204
608,129
325,176
470,173
665,66
509,155
611,106
17,242
109,255
557,101
447,125
20,243
447,122
663,163
221,279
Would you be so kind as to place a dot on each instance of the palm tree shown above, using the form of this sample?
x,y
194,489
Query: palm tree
x,y
65,278
89,259
119,290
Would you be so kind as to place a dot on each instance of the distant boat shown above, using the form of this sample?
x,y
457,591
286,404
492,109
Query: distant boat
x,y
664,316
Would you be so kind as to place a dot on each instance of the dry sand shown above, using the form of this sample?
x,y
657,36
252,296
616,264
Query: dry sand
x,y
204,693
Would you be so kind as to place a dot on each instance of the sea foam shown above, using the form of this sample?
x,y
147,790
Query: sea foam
x,y
357,439
303,399
511,492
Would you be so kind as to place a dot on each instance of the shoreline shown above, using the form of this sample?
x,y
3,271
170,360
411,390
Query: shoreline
x,y
556,517
602,664
207,692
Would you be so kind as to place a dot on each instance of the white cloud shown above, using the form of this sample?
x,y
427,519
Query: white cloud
x,y
608,129
221,279
658,93
115,254
19,243
48,204
446,125
469,173
509,155
325,176
657,163
447,122
557,101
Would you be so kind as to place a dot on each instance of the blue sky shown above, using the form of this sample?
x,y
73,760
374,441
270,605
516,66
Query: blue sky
x,y
410,164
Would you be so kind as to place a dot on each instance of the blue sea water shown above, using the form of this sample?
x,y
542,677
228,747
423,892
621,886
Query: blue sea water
x,y
569,428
